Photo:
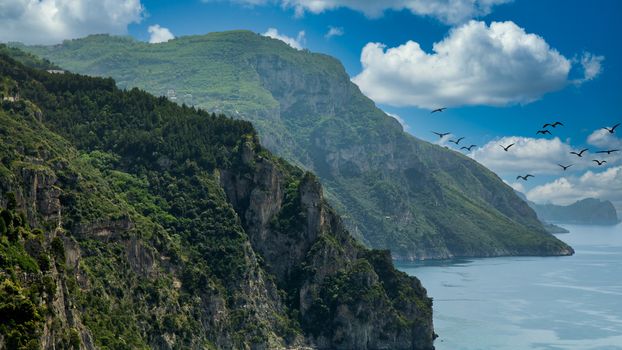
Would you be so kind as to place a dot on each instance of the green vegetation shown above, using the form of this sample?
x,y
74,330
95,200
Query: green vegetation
x,y
26,285
139,245
26,58
395,191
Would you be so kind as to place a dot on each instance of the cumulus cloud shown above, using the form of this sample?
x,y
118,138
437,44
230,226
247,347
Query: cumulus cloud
x,y
475,64
606,184
447,11
333,31
159,34
531,155
296,43
603,139
51,21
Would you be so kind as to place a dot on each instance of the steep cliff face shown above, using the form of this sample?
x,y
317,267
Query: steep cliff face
x,y
342,291
394,191
178,230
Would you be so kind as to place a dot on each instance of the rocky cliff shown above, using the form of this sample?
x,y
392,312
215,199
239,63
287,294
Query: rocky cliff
x,y
395,192
174,228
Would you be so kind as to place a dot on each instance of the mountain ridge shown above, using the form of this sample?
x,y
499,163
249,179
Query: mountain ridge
x,y
307,110
161,216
587,211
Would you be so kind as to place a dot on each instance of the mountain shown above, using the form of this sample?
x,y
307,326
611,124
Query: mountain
x,y
130,222
588,211
395,191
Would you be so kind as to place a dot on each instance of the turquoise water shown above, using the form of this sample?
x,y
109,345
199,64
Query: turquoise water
x,y
531,303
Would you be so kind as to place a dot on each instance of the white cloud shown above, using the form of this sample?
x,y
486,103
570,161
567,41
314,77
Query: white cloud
x,y
475,64
296,43
159,34
592,67
517,186
606,184
603,139
444,141
51,21
333,31
531,155
400,120
447,11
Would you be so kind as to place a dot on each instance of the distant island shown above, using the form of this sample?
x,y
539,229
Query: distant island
x,y
588,211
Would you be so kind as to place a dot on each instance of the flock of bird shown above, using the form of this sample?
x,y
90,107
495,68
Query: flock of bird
x,y
543,131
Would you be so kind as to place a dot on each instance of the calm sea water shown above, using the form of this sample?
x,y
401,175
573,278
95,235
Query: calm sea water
x,y
531,303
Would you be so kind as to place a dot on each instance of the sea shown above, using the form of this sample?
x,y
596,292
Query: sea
x,y
544,303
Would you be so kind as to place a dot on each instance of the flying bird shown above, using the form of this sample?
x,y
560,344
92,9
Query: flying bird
x,y
506,148
457,141
468,148
524,177
553,125
599,162
580,154
609,151
613,128
438,110
543,132
565,166
441,134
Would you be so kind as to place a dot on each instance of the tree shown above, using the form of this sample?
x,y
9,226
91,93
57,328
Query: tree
x,y
2,227
11,201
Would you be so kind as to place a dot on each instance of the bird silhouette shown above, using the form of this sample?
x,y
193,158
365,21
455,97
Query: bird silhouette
x,y
565,166
468,148
609,151
613,128
553,125
580,154
543,132
457,141
438,110
506,148
524,177
441,134
599,162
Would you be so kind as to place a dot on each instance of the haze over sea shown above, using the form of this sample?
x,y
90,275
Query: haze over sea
x,y
531,302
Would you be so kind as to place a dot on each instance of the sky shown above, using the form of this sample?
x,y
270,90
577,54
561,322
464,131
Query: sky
x,y
502,67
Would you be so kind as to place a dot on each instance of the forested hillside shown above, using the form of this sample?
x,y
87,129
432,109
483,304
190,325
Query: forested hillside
x,y
133,223
394,191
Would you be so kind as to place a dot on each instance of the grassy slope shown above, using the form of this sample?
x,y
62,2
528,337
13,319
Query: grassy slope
x,y
404,194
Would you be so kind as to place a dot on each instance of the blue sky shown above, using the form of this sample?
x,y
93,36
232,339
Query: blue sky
x,y
506,98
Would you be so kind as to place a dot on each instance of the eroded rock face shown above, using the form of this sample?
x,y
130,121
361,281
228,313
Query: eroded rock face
x,y
317,255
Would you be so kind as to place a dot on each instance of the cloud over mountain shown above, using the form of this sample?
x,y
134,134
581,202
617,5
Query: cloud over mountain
x,y
296,42
159,34
606,184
